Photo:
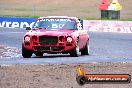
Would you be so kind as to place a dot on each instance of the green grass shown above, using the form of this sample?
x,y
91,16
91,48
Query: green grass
x,y
27,16
15,9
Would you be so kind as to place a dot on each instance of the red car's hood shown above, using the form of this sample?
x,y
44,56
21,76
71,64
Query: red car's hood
x,y
51,32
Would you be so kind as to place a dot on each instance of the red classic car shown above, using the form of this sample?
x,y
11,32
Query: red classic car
x,y
56,34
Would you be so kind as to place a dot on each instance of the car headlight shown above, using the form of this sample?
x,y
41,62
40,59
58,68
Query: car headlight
x,y
27,38
69,39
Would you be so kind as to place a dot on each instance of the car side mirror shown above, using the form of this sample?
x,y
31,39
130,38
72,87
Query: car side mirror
x,y
28,28
79,27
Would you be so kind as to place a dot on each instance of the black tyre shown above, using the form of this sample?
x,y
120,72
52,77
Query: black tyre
x,y
38,54
75,52
81,80
85,51
26,53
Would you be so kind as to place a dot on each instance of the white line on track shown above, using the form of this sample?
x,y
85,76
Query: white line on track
x,y
3,65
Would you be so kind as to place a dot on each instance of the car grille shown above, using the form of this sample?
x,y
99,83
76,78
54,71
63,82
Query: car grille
x,y
48,40
41,48
48,48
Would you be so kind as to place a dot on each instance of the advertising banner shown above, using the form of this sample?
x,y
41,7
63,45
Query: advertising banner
x,y
15,22
108,26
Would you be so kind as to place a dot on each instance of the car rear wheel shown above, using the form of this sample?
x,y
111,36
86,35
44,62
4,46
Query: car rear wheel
x,y
85,51
38,54
26,53
75,52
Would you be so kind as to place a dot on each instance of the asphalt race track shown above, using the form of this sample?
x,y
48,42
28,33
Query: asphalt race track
x,y
104,47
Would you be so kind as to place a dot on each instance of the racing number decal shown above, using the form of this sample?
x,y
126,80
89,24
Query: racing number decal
x,y
55,26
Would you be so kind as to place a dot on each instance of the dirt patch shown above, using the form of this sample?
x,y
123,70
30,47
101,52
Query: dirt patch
x,y
78,8
8,52
58,76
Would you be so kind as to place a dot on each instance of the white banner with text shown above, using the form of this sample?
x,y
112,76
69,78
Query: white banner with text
x,y
108,26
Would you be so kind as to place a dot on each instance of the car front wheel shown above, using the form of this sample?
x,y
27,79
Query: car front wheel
x,y
75,52
26,53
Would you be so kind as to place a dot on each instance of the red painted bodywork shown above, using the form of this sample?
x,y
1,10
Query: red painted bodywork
x,y
63,44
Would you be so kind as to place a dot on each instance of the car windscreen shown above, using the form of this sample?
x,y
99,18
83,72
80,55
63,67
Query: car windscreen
x,y
56,24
